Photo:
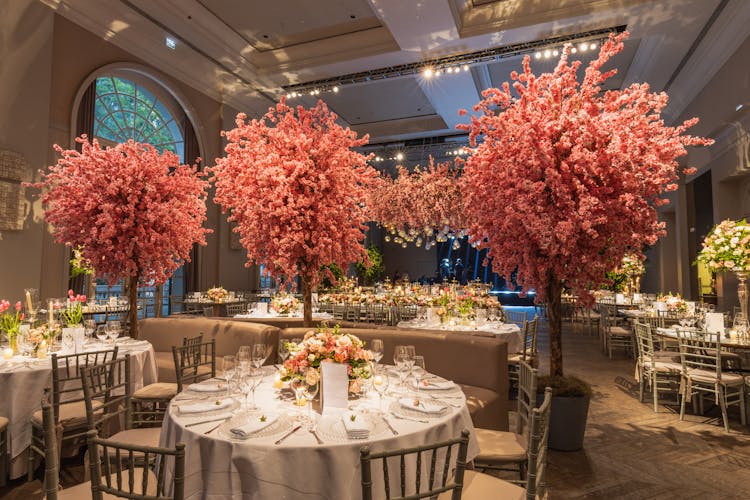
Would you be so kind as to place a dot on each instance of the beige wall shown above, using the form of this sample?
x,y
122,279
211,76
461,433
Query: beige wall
x,y
45,61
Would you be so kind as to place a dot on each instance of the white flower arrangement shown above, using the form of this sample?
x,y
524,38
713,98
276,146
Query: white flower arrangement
x,y
727,247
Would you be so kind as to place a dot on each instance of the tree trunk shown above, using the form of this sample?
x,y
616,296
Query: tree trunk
x,y
307,301
554,306
133,303
158,299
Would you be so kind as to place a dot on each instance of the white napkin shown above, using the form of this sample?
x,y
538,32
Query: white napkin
x,y
421,406
434,384
357,428
255,424
206,387
205,406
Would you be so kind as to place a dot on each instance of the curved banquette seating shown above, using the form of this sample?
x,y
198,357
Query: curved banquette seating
x,y
477,362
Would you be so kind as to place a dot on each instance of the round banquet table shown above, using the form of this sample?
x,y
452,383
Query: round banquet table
x,y
218,466
510,332
24,381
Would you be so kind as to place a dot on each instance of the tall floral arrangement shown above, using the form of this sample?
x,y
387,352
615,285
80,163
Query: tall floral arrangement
x,y
134,213
421,206
72,315
10,320
727,247
568,176
297,192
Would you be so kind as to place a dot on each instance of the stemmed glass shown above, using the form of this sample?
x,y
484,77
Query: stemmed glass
x,y
258,356
380,382
376,347
283,351
101,333
419,372
113,330
244,357
249,382
229,370
89,326
310,390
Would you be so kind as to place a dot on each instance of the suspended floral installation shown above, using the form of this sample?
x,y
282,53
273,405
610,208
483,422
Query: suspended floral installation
x,y
132,213
297,192
567,178
423,207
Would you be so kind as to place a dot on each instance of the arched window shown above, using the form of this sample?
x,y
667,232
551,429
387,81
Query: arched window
x,y
125,110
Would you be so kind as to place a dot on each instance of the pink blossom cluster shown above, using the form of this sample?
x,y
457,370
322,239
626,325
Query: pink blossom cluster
x,y
568,176
424,205
5,305
73,297
328,345
296,190
133,212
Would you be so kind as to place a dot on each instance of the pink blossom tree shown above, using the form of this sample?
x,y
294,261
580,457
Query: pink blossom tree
x,y
134,213
423,205
297,192
568,176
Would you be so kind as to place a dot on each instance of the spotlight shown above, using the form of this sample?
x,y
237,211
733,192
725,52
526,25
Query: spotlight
x,y
466,67
170,42
573,50
312,92
438,72
335,90
547,54
428,72
592,46
584,47
537,55
555,52
399,156
289,96
449,70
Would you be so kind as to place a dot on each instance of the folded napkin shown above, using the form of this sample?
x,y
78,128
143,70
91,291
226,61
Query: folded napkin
x,y
422,406
435,384
357,428
256,424
206,387
205,406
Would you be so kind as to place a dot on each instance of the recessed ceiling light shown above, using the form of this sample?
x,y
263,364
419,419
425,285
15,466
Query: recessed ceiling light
x,y
547,53
538,55
335,89
573,50
428,72
466,67
555,52
170,42
583,47
399,156
592,46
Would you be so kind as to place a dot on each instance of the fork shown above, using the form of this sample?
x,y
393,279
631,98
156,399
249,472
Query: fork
x,y
314,432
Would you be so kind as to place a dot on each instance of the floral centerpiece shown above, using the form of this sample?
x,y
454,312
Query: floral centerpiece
x,y
39,339
10,322
727,247
217,294
284,304
328,345
675,303
72,315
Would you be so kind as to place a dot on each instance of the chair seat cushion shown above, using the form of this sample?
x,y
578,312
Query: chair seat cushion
x,y
83,490
485,406
479,486
619,331
72,415
500,446
515,358
158,391
664,366
145,436
708,376
3,423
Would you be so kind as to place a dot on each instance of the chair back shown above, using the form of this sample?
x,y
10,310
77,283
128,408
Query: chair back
x,y
194,363
109,384
536,485
653,321
699,351
527,377
51,451
66,375
235,309
645,343
439,455
133,471
517,317
530,329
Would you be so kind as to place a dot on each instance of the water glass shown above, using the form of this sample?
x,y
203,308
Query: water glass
x,y
101,333
89,326
283,351
309,391
228,366
249,382
259,355
244,358
113,330
376,347
380,383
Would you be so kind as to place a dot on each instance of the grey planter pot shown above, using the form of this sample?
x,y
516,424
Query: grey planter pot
x,y
567,425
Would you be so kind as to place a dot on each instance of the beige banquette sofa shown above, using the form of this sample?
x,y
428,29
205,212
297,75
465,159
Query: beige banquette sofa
x,y
477,362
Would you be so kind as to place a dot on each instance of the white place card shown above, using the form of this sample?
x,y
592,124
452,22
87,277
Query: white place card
x,y
690,308
335,382
714,322
619,298
637,299
660,306
261,307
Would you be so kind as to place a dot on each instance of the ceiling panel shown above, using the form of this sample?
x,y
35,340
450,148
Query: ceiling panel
x,y
380,101
281,23
500,72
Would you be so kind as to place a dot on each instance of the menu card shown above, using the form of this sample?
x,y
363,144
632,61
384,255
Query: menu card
x,y
690,308
335,387
714,322
619,298
660,306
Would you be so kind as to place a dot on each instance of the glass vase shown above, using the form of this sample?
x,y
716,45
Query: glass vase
x,y
742,296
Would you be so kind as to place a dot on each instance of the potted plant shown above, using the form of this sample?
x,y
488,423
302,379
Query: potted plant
x,y
570,407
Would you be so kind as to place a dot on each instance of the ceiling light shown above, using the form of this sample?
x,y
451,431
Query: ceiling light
x,y
466,67
312,92
449,70
555,53
289,96
170,42
399,156
537,55
438,72
584,46
335,89
592,46
547,53
573,50
427,73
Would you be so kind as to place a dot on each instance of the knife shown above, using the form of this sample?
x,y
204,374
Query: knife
x,y
288,434
191,424
394,431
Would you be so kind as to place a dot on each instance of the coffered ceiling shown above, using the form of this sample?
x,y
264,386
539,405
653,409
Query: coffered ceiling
x,y
243,52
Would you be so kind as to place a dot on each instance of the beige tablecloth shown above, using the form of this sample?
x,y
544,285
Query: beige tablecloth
x,y
510,332
299,468
23,387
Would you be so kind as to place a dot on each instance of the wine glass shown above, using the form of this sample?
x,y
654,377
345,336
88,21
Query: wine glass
x,y
113,330
244,358
297,384
101,333
283,351
258,355
228,366
310,390
89,326
380,383
376,347
249,382
419,371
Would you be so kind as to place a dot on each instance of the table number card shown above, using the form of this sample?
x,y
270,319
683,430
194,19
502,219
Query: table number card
x,y
660,306
714,322
335,382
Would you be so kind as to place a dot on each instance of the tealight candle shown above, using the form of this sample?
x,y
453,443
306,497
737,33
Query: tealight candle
x,y
41,351
277,382
7,353
377,380
733,334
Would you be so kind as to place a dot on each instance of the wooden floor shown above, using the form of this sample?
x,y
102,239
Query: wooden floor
x,y
630,452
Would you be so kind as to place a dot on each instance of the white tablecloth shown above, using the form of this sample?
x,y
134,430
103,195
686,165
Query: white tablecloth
x,y
299,468
254,315
510,332
23,387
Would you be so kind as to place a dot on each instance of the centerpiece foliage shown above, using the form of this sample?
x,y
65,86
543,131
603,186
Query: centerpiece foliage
x,y
568,177
297,191
133,213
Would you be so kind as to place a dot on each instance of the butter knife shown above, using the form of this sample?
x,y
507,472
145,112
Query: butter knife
x,y
288,434
394,431
191,424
